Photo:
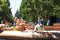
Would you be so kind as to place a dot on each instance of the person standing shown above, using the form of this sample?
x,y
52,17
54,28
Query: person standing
x,y
40,21
39,26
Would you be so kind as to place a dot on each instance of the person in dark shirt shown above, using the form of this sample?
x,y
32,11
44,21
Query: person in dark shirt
x,y
52,20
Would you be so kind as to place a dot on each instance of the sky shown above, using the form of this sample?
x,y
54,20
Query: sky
x,y
14,5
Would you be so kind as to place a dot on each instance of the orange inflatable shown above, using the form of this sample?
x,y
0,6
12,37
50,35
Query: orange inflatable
x,y
21,27
30,27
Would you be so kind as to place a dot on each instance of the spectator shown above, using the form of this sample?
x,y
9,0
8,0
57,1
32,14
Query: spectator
x,y
40,21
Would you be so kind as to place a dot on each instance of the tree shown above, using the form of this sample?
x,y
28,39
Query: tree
x,y
31,9
17,14
5,11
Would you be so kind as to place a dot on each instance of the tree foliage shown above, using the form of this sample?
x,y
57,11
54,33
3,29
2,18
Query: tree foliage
x,y
31,9
5,11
